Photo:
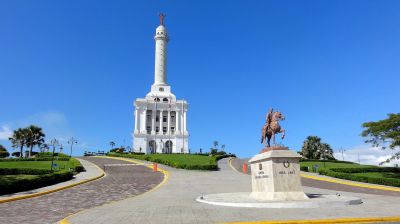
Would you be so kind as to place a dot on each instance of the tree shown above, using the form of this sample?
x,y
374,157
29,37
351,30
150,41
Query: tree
x,y
215,143
384,133
313,148
112,144
35,137
3,152
44,147
19,139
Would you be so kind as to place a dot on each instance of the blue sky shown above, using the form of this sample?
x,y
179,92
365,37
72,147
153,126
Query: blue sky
x,y
75,68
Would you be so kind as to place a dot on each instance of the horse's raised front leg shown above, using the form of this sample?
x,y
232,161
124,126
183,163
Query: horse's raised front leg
x,y
283,133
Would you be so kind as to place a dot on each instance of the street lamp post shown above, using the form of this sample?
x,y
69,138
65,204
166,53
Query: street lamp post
x,y
324,154
342,151
71,141
53,143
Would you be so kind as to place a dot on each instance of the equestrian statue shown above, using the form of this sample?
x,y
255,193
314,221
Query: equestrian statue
x,y
272,127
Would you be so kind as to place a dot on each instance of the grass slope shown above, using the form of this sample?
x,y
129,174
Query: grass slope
x,y
182,161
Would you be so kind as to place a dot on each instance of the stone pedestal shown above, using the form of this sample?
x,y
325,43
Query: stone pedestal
x,y
275,175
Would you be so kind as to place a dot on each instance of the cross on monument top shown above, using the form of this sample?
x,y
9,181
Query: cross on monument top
x,y
162,16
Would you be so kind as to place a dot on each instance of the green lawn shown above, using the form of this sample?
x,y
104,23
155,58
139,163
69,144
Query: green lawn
x,y
182,161
184,158
40,164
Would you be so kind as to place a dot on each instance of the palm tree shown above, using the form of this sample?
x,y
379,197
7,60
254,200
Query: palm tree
x,y
19,139
35,137
112,144
223,147
215,143
44,148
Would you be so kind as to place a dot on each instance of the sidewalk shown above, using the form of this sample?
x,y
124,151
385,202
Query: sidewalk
x,y
92,172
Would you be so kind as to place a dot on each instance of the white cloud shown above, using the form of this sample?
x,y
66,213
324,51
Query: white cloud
x,y
5,132
367,155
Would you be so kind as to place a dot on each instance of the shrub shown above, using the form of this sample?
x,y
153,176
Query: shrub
x,y
50,154
34,159
366,169
304,168
79,168
137,153
218,157
327,160
365,179
16,154
12,185
4,154
16,171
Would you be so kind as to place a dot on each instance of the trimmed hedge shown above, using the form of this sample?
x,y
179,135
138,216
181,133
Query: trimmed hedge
x,y
49,154
366,169
29,171
212,166
304,168
12,185
35,159
350,176
331,161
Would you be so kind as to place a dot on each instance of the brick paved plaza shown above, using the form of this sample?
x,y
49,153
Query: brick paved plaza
x,y
119,183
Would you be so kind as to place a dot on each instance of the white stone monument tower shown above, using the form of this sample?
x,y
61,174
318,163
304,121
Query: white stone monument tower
x,y
160,119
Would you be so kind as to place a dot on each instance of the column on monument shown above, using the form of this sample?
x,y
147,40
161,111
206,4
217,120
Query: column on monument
x,y
178,121
143,124
153,121
136,120
161,121
169,122
184,122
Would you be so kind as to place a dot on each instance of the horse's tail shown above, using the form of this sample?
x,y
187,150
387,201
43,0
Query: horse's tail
x,y
263,132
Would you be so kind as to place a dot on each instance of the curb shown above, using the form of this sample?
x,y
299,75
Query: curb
x,y
166,176
230,164
354,184
53,190
327,221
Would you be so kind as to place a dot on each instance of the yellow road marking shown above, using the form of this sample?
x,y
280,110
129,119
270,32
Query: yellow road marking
x,y
53,190
166,176
327,221
230,164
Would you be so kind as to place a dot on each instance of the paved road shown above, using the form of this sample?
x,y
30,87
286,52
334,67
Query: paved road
x,y
119,183
175,202
237,163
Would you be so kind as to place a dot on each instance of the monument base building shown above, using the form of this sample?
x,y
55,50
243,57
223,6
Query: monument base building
x,y
160,119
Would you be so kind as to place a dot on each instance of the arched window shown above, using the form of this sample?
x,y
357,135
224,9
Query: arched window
x,y
168,146
165,100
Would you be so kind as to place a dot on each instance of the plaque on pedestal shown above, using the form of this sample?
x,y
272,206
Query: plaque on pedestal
x,y
275,175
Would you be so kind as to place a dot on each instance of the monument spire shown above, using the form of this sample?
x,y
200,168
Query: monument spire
x,y
160,69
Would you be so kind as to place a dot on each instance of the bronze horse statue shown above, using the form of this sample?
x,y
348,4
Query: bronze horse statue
x,y
272,127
